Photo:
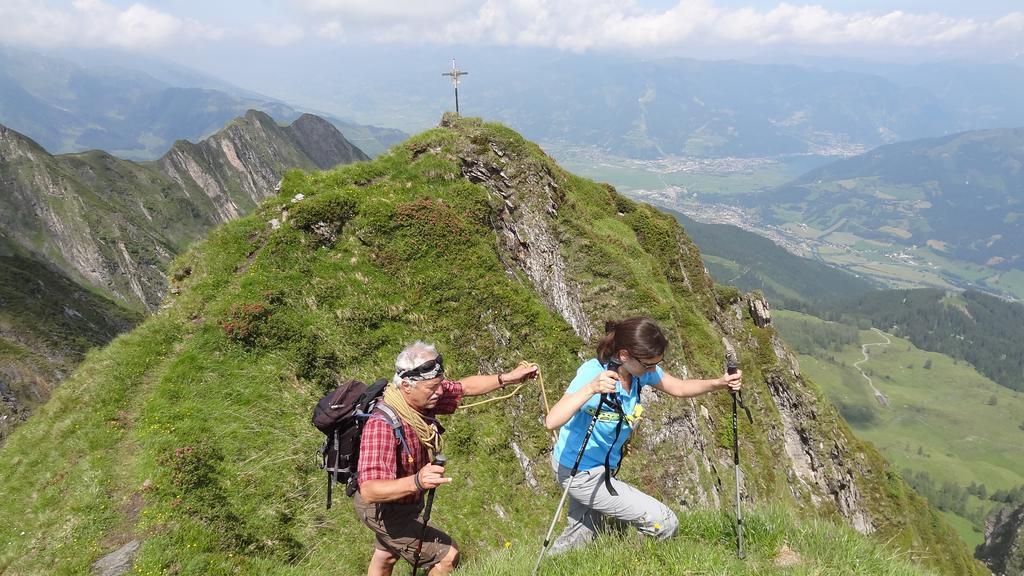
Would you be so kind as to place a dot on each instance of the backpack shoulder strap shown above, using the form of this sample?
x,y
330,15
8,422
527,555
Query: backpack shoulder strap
x,y
395,422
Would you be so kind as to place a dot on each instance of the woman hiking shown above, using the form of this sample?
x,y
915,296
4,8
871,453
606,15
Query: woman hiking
x,y
628,358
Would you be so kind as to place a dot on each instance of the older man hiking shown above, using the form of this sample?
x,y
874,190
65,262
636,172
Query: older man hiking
x,y
395,470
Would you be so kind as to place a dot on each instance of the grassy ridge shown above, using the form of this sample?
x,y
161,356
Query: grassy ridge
x,y
192,435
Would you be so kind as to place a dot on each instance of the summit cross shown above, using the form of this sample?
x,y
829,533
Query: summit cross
x,y
455,73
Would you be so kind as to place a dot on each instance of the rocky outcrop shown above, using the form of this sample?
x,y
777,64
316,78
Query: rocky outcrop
x,y
760,312
78,225
529,197
114,224
1003,550
118,562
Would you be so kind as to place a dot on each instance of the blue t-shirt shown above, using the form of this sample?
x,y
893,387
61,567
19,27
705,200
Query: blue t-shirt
x,y
571,434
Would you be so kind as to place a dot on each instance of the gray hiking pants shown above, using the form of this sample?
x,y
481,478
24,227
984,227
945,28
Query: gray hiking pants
x,y
591,506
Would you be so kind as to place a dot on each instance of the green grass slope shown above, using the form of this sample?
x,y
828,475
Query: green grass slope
x,y
778,543
191,434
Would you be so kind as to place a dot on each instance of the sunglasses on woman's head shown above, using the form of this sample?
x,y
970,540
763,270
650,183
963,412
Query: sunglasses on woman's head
x,y
430,369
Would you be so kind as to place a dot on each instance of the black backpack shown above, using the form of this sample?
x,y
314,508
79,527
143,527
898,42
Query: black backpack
x,y
341,415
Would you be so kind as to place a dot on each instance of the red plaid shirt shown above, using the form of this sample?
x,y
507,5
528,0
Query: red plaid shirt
x,y
381,455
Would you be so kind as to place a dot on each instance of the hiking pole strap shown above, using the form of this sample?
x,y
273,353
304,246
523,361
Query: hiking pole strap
x,y
739,399
608,456
586,437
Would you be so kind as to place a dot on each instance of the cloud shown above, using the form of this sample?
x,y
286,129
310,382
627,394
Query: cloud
x,y
575,25
95,23
331,30
279,35
387,11
581,25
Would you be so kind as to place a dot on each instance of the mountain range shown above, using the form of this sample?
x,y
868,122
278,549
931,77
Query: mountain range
x,y
86,238
134,108
59,297
960,195
650,108
115,224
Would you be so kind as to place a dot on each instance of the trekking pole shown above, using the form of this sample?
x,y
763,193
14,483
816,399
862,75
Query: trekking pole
x,y
439,460
612,365
731,366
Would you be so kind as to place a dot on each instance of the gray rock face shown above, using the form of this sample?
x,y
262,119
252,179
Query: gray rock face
x,y
760,312
529,198
77,228
114,224
1003,550
322,142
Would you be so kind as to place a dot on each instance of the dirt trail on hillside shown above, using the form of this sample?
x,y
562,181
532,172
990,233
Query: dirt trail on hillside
x,y
882,400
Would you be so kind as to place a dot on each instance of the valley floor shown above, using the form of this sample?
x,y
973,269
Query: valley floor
x,y
945,423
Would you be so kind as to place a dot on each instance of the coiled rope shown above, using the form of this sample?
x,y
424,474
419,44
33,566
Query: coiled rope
x,y
427,433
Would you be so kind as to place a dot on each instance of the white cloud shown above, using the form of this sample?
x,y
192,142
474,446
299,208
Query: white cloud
x,y
591,24
95,23
279,35
384,11
576,25
331,30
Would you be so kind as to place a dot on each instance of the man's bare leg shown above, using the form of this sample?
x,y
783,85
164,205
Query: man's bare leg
x,y
447,564
382,563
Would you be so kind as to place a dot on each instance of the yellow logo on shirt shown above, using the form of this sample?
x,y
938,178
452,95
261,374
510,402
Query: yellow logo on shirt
x,y
610,416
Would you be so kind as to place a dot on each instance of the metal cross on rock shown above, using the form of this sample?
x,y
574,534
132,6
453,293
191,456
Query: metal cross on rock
x,y
455,73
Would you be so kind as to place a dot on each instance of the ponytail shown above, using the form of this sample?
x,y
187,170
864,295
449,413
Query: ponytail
x,y
640,336
606,346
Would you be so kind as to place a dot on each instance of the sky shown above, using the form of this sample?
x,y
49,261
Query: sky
x,y
910,29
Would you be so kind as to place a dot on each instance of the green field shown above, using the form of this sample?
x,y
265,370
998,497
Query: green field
x,y
1011,281
941,420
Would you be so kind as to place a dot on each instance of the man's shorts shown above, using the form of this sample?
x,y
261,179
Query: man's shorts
x,y
398,528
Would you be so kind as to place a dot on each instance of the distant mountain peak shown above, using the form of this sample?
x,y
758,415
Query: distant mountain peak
x,y
149,211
